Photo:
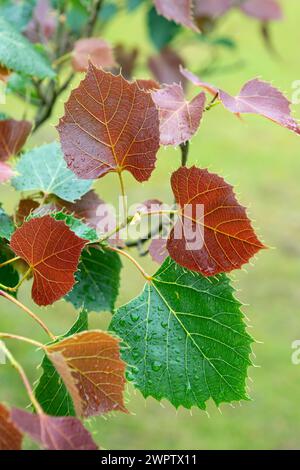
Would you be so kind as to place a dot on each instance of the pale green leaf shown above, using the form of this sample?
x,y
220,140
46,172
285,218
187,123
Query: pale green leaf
x,y
44,169
6,225
185,339
19,55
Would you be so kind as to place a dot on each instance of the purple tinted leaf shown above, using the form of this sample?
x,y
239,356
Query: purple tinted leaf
x,y
158,250
211,8
165,67
179,11
265,10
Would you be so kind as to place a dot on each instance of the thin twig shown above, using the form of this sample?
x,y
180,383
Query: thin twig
x,y
128,256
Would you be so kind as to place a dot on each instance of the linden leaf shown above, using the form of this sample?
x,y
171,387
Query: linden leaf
x,y
109,125
53,433
97,281
179,11
44,169
91,361
213,234
96,50
185,339
6,225
179,118
50,391
13,135
265,10
25,208
52,251
18,54
256,97
43,23
10,437
6,172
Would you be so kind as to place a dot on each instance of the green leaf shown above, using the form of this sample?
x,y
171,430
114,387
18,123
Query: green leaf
x,y
161,31
8,275
17,13
132,5
18,54
50,390
77,226
185,339
6,225
44,169
98,280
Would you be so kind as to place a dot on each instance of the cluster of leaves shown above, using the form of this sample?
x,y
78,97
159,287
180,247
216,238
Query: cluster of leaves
x,y
183,338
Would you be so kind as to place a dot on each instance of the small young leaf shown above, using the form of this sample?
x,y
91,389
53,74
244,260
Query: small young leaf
x,y
256,97
179,119
52,251
25,208
51,392
10,436
158,250
185,339
179,11
217,238
53,433
265,10
91,361
77,226
44,168
13,135
6,225
96,50
109,125
97,281
18,54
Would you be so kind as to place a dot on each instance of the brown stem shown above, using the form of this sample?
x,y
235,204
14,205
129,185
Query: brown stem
x,y
128,256
184,152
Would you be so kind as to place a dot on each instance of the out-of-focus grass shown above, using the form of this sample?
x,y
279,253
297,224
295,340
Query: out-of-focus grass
x,y
263,162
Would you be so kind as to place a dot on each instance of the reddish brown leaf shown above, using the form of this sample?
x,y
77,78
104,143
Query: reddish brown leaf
x,y
6,172
109,125
92,360
4,73
265,10
13,135
98,51
90,208
211,8
53,433
52,251
126,59
256,97
26,206
179,119
213,234
165,67
179,11
10,436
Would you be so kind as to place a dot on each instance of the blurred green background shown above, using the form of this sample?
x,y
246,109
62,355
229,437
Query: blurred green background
x,y
262,161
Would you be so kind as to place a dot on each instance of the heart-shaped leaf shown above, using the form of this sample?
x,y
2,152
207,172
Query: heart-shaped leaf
x,y
90,365
185,339
52,251
109,125
213,234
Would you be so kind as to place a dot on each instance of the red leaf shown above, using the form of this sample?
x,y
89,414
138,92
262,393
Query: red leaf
x,y
91,367
13,135
179,11
43,24
10,436
158,250
211,8
265,10
64,433
98,51
219,238
109,125
52,250
6,172
165,67
26,206
256,97
147,85
179,119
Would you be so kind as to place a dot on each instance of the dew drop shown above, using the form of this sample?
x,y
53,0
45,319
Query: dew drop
x,y
156,366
